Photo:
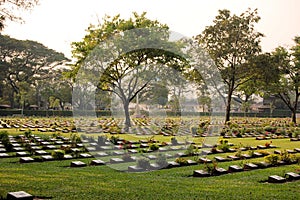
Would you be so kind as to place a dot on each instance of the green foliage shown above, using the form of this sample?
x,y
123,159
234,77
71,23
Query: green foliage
x,y
224,146
161,160
143,163
58,154
231,41
273,159
153,147
190,151
182,161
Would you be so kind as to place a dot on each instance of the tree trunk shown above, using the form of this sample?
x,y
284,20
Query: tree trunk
x,y
294,110
228,105
294,118
127,116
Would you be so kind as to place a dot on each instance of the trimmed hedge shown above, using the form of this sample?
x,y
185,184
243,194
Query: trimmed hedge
x,y
69,113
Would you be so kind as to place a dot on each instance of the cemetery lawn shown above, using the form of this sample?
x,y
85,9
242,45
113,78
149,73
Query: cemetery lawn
x,y
56,180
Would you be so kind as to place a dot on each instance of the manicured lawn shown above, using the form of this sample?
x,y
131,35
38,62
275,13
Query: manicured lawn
x,y
55,179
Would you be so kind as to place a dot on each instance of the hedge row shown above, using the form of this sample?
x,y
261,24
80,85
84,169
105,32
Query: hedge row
x,y
68,113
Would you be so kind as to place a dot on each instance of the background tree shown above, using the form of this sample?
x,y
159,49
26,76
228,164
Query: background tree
x,y
231,42
287,64
25,61
123,58
8,9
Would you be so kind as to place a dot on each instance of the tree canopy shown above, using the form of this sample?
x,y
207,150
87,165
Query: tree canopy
x,y
24,63
8,9
231,41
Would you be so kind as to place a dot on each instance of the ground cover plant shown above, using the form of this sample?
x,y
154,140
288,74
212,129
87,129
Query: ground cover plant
x,y
58,180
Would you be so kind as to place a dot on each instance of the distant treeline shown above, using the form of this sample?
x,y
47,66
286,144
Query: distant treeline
x,y
69,113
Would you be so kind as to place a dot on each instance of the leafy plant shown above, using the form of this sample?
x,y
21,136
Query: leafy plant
x,y
273,159
161,160
153,147
143,162
182,161
58,154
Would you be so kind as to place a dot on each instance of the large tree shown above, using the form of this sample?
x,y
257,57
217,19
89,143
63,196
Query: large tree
x,y
9,9
124,57
25,61
231,41
287,65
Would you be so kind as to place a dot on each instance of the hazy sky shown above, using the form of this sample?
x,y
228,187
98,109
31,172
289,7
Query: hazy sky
x,y
57,23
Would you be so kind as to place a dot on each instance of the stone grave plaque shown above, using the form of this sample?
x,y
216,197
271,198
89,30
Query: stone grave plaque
x,y
261,147
200,173
277,152
4,155
68,156
250,166
132,151
256,154
232,157
276,179
22,153
18,149
235,168
47,158
155,166
246,156
19,195
135,169
263,164
173,164
50,147
85,155
91,148
118,153
116,160
205,160
26,160
191,162
97,162
219,171
42,152
291,176
101,154
78,164
221,159
181,154
151,157
205,152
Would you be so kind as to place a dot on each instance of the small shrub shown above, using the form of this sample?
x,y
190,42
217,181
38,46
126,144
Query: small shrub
x,y
153,147
114,139
286,157
28,134
143,163
101,140
181,161
224,145
161,160
58,154
211,167
263,152
273,159
126,157
174,141
190,150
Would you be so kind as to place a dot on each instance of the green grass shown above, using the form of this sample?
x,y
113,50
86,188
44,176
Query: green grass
x,y
55,179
